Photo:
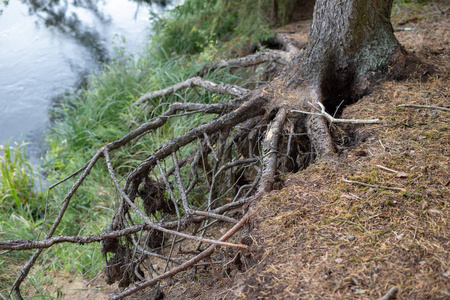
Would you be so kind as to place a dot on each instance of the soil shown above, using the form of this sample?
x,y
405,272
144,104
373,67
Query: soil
x,y
320,237
70,288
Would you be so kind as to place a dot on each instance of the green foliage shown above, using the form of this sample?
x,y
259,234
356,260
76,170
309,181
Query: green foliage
x,y
197,24
22,206
18,184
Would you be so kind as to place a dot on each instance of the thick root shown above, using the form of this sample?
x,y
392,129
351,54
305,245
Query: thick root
x,y
197,179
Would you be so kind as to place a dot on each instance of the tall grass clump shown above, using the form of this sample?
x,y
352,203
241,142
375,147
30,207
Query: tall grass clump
x,y
20,186
22,207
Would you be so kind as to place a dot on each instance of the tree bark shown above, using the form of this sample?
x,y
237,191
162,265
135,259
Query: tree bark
x,y
350,36
351,42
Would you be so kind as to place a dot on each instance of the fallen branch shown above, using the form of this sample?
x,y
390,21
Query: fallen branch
x,y
261,57
390,295
424,106
227,89
374,185
335,120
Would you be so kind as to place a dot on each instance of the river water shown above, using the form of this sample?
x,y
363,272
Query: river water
x,y
47,49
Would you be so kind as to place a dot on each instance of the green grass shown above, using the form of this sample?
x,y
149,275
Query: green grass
x,y
22,207
19,185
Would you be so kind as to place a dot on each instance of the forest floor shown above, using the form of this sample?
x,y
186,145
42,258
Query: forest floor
x,y
324,235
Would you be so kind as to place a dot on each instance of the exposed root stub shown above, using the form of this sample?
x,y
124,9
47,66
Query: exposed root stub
x,y
109,246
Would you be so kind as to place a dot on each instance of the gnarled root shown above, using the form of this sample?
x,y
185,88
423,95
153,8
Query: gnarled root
x,y
195,180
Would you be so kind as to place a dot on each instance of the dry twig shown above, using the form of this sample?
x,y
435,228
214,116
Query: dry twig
x,y
335,120
387,169
424,106
374,185
391,294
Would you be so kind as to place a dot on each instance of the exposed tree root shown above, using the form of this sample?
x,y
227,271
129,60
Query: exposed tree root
x,y
287,44
261,57
233,160
208,251
270,151
210,86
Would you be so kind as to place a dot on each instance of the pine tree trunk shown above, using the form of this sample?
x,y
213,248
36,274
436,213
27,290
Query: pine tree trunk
x,y
351,42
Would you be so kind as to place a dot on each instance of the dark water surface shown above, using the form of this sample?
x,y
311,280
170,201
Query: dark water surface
x,y
46,49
